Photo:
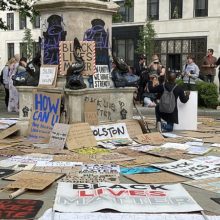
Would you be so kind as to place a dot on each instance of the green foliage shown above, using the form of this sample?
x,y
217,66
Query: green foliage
x,y
29,42
25,7
146,40
207,94
117,17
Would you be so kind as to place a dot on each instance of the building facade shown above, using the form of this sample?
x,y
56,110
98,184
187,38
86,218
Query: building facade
x,y
182,27
12,40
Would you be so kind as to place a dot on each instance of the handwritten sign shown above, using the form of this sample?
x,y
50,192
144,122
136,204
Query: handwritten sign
x,y
123,198
58,135
101,79
80,135
45,114
111,131
48,75
87,52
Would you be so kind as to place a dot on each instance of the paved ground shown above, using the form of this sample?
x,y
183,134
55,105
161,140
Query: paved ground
x,y
48,195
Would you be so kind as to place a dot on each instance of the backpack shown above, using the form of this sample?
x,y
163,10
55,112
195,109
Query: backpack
x,y
167,101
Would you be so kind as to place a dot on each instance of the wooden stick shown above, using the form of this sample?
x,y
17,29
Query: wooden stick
x,y
17,193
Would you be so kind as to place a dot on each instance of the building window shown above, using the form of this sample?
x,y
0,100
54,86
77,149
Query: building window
x,y
22,21
10,50
23,50
127,13
201,8
10,21
36,48
153,9
176,7
125,50
36,22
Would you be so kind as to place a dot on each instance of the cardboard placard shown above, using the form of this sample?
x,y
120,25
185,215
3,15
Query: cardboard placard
x,y
80,135
58,135
90,113
66,49
123,197
48,75
45,114
111,157
157,178
8,131
110,131
19,208
151,138
101,79
133,127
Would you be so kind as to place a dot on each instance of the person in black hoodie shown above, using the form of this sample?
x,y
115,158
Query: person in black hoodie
x,y
169,118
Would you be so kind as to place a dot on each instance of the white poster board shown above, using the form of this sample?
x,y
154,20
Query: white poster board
x,y
187,113
101,79
110,131
48,75
139,198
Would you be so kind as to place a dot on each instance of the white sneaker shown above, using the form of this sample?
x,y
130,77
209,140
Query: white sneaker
x,y
159,129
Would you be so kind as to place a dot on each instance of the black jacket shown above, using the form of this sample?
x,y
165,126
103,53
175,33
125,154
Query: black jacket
x,y
178,93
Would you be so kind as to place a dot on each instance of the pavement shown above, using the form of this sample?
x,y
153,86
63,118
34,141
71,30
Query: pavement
x,y
48,195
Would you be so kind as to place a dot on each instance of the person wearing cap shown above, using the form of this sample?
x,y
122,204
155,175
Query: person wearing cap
x,y
190,74
169,118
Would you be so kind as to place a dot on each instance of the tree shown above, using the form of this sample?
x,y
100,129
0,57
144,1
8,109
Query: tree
x,y
28,43
145,45
25,7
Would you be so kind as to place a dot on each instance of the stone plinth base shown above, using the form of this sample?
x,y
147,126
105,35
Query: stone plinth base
x,y
112,104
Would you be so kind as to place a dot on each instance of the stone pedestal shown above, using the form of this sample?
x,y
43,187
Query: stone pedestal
x,y
112,104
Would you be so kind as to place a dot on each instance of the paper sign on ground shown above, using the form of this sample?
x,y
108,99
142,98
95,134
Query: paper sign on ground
x,y
66,49
110,131
48,75
211,184
100,168
122,216
111,157
190,109
191,169
58,135
90,178
101,79
45,114
135,170
123,198
80,135
90,113
19,208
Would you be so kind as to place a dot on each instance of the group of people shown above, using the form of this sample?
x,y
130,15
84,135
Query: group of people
x,y
14,65
155,80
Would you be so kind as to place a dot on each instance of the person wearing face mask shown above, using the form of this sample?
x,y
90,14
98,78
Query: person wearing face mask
x,y
208,66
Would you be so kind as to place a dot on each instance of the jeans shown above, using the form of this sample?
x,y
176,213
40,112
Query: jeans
x,y
167,127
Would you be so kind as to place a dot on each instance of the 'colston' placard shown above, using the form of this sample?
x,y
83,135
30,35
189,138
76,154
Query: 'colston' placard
x,y
45,114
66,50
139,198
